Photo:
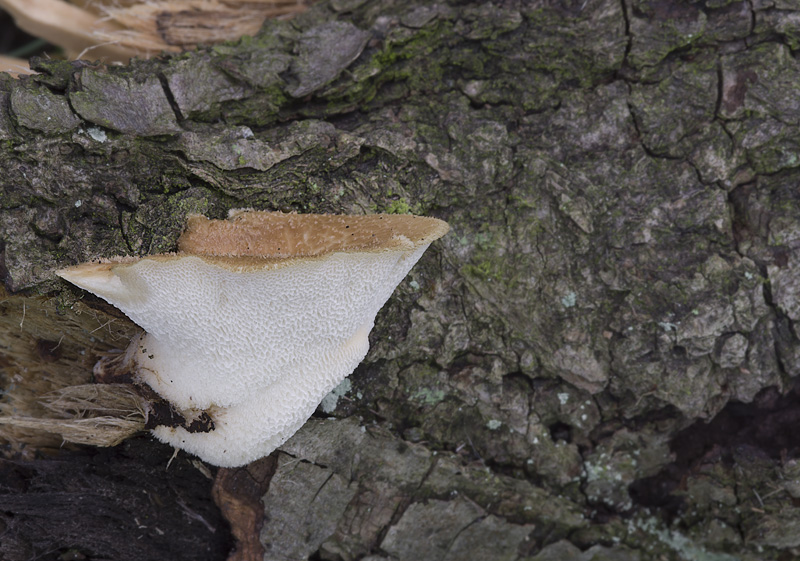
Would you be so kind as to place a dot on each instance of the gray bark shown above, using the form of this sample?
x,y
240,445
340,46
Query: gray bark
x,y
621,181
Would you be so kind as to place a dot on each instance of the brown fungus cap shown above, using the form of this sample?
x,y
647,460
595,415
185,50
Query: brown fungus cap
x,y
275,235
252,239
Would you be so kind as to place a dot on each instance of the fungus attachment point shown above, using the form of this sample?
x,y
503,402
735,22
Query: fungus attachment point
x,y
256,318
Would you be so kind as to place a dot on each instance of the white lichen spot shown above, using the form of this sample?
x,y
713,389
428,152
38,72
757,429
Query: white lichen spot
x,y
414,285
78,203
563,398
494,424
97,134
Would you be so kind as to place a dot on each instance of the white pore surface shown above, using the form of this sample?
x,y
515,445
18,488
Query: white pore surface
x,y
260,349
253,428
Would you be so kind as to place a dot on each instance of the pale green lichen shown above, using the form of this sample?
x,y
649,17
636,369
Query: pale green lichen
x,y
330,401
97,134
677,542
569,300
427,396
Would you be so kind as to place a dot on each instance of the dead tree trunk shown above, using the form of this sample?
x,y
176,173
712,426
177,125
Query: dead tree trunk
x,y
621,181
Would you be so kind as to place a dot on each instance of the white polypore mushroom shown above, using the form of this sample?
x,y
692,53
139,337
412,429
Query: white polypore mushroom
x,y
256,318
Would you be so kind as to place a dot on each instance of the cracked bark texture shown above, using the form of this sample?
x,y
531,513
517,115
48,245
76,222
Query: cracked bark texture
x,y
621,178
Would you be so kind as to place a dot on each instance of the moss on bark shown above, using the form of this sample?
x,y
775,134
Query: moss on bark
x,y
620,178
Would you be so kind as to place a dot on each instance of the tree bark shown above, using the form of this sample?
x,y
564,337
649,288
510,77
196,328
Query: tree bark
x,y
598,361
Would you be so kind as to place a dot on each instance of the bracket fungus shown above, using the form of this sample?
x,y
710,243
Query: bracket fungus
x,y
255,319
